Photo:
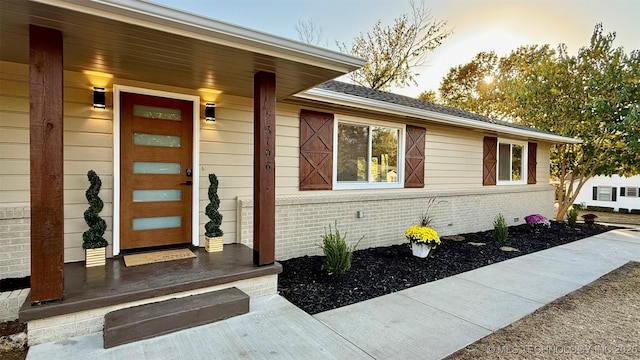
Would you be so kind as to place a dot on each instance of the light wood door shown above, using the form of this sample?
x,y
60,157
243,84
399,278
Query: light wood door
x,y
155,171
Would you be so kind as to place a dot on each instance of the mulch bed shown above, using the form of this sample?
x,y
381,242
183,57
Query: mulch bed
x,y
383,270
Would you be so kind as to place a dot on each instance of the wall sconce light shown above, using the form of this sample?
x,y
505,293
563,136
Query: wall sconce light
x,y
210,112
99,98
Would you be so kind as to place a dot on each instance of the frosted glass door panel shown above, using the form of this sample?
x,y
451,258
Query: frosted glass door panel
x,y
156,195
156,140
154,112
143,167
165,222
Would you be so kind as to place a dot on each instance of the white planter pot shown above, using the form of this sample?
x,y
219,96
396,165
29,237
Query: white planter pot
x,y
95,257
420,250
213,244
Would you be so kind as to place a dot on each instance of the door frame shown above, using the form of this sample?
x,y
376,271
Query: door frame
x,y
195,201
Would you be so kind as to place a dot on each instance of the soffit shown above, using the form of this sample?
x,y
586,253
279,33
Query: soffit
x,y
127,50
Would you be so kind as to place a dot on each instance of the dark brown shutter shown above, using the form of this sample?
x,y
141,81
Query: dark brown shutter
x,y
489,160
614,192
316,150
595,193
531,164
414,157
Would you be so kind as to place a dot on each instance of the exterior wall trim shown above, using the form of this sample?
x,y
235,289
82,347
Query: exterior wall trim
x,y
195,206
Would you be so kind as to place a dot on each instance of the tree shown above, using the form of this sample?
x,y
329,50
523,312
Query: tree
x,y
394,52
430,96
480,86
310,33
592,96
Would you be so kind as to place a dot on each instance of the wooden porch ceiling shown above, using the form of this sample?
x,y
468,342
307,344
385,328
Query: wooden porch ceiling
x,y
111,40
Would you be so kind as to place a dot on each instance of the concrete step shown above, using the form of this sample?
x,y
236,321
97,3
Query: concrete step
x,y
154,319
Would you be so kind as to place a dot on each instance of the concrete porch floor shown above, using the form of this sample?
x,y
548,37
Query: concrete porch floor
x,y
429,321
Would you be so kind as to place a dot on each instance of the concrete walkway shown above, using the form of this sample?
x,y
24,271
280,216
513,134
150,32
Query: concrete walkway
x,y
429,321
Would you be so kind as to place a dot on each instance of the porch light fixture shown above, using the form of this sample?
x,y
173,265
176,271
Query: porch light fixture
x,y
99,98
210,112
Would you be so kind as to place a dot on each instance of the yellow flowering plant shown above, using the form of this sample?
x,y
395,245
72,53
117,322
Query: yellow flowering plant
x,y
422,234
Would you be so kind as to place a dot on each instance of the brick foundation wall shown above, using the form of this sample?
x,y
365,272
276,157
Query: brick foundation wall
x,y
15,242
301,220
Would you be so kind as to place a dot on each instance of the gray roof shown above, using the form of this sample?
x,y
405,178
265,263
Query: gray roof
x,y
364,92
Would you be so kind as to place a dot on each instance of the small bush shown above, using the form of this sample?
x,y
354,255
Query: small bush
x,y
500,230
634,211
623,211
337,255
572,216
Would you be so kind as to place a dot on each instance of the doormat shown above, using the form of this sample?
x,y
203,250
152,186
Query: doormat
x,y
157,256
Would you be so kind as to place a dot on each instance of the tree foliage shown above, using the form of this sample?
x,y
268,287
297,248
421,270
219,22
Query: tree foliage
x,y
394,52
430,96
593,96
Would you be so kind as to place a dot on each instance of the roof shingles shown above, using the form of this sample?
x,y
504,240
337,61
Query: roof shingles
x,y
364,92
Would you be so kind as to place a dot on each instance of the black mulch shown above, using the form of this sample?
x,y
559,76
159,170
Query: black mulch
x,y
379,271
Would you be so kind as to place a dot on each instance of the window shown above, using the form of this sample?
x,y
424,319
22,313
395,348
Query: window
x,y
351,153
368,155
604,193
632,192
511,162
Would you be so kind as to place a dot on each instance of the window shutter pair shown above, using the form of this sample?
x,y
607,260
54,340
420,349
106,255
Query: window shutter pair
x,y
490,161
316,152
614,192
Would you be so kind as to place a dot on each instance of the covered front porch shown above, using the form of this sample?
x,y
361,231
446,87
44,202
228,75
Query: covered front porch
x,y
72,47
90,293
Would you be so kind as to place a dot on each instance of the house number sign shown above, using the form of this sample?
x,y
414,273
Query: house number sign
x,y
267,150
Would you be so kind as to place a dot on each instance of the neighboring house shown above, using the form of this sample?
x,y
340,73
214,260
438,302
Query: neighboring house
x,y
303,150
615,192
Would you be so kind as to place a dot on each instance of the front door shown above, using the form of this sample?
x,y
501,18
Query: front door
x,y
155,171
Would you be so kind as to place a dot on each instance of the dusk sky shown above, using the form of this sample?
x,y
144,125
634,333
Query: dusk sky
x,y
478,25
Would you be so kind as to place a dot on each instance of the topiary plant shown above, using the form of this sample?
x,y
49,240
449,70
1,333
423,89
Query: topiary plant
x,y
212,228
92,238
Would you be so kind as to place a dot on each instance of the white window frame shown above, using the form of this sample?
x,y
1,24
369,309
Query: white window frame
x,y
525,160
344,185
610,193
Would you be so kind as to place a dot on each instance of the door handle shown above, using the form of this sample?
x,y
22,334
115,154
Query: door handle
x,y
188,183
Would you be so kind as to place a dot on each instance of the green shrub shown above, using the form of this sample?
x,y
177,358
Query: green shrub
x,y
572,216
337,255
500,230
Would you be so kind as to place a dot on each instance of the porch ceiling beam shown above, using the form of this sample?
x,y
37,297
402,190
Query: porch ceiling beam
x,y
264,168
46,147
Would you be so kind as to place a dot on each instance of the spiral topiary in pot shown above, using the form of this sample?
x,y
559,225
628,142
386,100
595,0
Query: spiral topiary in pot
x,y
92,238
213,233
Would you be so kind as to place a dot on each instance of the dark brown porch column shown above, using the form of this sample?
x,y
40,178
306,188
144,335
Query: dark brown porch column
x,y
45,116
264,168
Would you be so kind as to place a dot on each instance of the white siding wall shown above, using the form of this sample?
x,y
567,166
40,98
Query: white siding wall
x,y
625,202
